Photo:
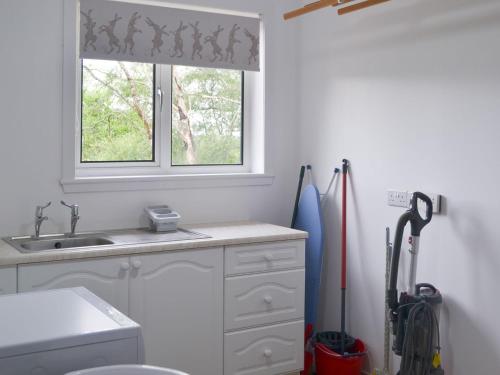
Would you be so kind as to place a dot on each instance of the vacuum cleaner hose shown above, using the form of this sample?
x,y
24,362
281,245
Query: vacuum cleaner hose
x,y
421,341
392,294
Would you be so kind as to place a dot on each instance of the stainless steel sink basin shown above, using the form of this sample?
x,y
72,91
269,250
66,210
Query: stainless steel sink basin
x,y
27,244
64,243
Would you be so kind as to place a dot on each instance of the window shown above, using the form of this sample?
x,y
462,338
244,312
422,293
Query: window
x,y
117,112
138,125
121,110
207,121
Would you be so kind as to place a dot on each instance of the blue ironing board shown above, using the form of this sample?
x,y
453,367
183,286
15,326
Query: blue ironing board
x,y
309,219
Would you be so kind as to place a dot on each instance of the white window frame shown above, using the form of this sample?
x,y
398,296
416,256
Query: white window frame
x,y
160,174
162,163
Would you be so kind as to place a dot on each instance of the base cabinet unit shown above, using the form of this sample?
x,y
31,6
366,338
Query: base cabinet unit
x,y
234,310
264,308
105,277
177,300
8,280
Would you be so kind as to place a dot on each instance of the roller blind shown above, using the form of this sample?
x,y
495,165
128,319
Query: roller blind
x,y
113,30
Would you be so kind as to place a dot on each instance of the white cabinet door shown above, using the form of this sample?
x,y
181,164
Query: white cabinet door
x,y
106,277
177,299
8,280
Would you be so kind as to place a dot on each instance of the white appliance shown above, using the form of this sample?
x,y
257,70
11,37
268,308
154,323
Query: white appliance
x,y
57,331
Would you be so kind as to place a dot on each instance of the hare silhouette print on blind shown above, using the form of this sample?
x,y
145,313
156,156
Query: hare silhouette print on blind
x,y
131,31
90,37
109,29
213,40
179,42
254,49
232,41
158,35
197,35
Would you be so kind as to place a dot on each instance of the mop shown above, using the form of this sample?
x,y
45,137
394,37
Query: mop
x,y
337,352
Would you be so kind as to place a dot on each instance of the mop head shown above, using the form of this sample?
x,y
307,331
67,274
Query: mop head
x,y
333,341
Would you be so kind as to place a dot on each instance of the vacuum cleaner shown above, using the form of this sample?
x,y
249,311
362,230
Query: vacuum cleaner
x,y
415,315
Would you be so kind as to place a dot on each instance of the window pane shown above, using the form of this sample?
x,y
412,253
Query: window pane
x,y
117,111
207,124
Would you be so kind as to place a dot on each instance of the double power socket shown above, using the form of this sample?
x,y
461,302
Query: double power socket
x,y
398,198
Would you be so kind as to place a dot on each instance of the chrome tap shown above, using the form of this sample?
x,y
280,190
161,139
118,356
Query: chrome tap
x,y
39,218
74,217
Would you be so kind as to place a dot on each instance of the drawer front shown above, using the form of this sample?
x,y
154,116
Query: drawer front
x,y
264,257
277,349
266,298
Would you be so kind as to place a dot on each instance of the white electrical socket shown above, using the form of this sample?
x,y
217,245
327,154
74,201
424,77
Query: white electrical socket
x,y
399,198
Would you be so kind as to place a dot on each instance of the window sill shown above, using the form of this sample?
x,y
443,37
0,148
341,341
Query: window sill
x,y
136,183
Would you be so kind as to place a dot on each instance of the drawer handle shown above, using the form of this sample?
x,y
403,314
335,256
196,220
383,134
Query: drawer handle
x,y
268,257
268,353
136,264
125,266
268,299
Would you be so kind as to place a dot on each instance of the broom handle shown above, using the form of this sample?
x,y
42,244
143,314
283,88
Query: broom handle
x,y
345,165
297,197
387,327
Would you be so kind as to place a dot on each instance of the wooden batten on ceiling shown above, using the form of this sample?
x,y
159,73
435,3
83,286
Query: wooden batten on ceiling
x,y
317,5
359,6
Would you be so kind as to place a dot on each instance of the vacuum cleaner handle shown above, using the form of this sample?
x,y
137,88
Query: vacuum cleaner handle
x,y
418,222
421,286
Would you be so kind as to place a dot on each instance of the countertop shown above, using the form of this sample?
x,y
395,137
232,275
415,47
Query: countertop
x,y
222,234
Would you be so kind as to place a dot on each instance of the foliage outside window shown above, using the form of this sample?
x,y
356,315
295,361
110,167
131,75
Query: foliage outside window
x,y
121,114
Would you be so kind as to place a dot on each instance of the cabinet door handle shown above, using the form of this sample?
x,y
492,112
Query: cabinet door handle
x,y
268,299
268,353
136,263
125,266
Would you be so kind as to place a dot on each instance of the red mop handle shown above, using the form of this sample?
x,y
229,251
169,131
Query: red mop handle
x,y
345,167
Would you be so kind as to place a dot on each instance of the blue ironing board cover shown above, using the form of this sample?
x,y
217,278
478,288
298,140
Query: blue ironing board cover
x,y
309,219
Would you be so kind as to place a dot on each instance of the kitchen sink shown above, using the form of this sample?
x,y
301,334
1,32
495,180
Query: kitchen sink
x,y
27,244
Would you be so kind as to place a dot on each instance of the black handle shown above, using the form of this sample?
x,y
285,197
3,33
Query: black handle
x,y
345,165
419,287
417,221
297,197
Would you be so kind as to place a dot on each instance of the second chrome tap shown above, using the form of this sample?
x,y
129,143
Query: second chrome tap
x,y
74,217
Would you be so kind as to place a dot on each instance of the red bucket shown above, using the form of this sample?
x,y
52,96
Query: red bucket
x,y
329,362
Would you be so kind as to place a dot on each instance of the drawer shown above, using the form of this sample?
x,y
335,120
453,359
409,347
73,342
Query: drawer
x,y
265,298
277,349
264,257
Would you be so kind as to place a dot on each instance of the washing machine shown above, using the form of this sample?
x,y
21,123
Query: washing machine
x,y
57,331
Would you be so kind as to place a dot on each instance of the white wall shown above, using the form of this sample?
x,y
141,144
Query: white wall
x,y
30,130
409,91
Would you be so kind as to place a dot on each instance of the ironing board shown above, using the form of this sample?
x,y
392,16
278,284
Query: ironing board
x,y
309,219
